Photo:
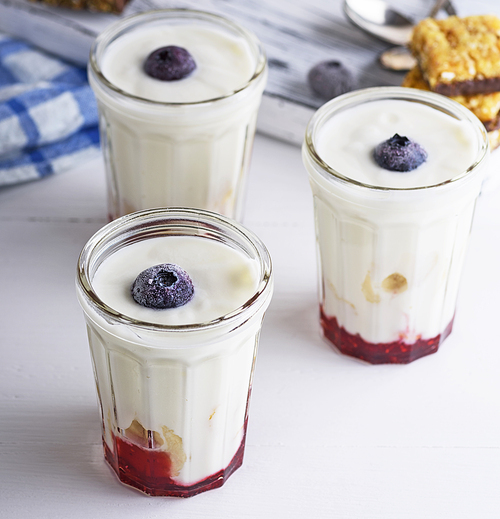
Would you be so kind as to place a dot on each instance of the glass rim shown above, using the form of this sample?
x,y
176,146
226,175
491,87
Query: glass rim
x,y
117,227
114,31
431,99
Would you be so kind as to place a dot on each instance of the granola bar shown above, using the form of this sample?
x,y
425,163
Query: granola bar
x,y
486,107
107,6
494,138
459,56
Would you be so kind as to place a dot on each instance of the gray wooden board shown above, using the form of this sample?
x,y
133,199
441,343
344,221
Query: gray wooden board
x,y
296,34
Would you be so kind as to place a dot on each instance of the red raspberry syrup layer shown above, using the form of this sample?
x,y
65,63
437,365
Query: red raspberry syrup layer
x,y
397,352
149,470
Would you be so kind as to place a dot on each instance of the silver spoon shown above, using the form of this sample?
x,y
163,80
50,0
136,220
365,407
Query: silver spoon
x,y
378,19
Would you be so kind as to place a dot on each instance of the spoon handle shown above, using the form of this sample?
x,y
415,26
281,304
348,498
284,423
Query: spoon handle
x,y
450,10
437,7
442,4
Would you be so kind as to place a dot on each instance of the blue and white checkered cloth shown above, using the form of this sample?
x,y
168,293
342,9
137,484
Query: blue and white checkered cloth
x,y
48,114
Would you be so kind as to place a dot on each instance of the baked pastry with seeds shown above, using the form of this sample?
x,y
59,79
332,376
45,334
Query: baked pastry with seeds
x,y
459,56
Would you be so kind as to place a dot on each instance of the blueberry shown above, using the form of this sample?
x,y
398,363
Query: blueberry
x,y
163,286
399,154
330,79
169,63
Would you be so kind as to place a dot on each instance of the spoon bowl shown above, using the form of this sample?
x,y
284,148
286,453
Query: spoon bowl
x,y
380,20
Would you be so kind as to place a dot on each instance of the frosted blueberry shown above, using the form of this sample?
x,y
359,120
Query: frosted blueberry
x,y
162,286
399,154
330,79
169,63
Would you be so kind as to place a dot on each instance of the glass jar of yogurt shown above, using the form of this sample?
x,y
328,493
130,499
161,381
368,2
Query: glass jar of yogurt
x,y
178,142
174,384
391,244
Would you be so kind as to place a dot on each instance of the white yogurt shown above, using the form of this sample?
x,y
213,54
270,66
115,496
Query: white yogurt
x,y
189,387
224,63
224,279
370,237
347,141
185,142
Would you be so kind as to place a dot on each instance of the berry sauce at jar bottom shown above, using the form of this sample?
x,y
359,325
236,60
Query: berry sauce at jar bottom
x,y
396,352
149,469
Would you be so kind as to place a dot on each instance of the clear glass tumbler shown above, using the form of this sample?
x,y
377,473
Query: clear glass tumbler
x,y
173,398
390,259
189,153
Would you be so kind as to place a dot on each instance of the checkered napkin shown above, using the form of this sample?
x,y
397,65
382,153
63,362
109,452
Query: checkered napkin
x,y
48,114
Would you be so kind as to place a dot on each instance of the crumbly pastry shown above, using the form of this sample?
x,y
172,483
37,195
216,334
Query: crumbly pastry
x,y
486,107
494,138
107,6
459,56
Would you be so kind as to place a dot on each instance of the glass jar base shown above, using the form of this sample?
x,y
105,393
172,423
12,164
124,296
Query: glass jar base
x,y
148,471
396,352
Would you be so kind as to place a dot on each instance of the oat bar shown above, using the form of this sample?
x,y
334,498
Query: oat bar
x,y
486,107
107,6
494,138
459,56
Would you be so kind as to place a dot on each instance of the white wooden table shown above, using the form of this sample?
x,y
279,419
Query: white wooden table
x,y
328,437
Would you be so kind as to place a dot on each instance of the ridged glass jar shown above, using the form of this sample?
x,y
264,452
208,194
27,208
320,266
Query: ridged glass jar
x,y
165,154
173,398
390,259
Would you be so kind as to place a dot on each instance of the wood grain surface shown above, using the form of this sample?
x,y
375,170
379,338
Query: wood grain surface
x,y
296,35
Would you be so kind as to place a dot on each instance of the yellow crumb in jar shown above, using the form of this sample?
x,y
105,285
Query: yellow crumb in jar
x,y
395,283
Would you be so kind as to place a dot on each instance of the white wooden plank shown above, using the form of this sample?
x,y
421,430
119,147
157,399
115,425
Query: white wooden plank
x,y
296,36
328,436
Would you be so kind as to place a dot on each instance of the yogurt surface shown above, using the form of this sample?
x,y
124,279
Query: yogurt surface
x,y
224,63
346,143
223,278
